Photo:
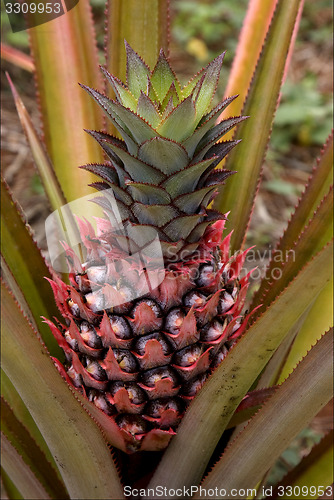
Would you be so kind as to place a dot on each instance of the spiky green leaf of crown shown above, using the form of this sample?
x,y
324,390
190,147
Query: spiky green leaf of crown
x,y
163,171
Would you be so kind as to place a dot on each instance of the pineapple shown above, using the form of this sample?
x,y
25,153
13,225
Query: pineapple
x,y
140,356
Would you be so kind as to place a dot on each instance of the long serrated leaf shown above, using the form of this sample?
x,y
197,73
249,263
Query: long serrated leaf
x,y
304,393
82,455
22,413
20,473
64,53
317,188
285,266
260,105
208,87
144,25
50,182
32,455
163,77
186,180
213,407
163,154
180,123
23,259
315,470
318,320
252,36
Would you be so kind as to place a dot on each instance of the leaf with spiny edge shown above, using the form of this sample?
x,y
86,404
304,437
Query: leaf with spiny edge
x,y
20,473
214,177
119,193
304,393
163,154
139,129
147,110
217,132
220,149
190,202
88,469
180,123
187,179
182,226
138,170
198,231
315,235
206,123
105,140
123,94
136,72
163,77
260,104
21,257
208,87
106,172
148,193
30,452
189,87
318,185
104,102
157,215
171,100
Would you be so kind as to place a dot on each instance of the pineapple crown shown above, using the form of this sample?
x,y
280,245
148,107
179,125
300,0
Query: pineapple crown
x,y
162,172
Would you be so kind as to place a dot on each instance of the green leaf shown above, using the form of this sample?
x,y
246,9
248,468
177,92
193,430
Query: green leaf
x,y
213,407
260,105
163,77
180,123
147,110
45,169
148,193
157,215
144,25
138,170
252,37
20,473
31,454
317,188
181,227
186,180
123,94
136,72
304,393
22,413
82,455
208,121
315,470
208,87
319,319
23,259
285,266
163,154
65,53
190,202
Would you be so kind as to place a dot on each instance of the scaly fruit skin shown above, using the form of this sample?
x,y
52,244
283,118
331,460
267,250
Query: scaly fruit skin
x,y
141,360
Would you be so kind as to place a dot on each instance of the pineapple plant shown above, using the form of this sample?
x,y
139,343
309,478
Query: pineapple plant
x,y
142,360
175,360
